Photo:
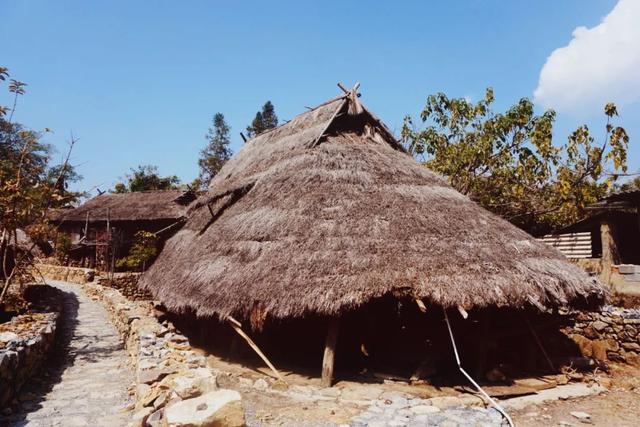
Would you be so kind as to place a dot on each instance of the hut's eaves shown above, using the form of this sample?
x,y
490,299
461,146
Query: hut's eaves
x,y
328,212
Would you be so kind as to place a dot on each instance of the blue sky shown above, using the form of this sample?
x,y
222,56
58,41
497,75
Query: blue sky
x,y
138,82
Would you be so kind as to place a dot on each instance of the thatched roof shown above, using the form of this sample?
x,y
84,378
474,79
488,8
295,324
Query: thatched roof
x,y
327,212
135,206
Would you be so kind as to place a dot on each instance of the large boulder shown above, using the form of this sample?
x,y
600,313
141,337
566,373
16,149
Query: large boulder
x,y
220,408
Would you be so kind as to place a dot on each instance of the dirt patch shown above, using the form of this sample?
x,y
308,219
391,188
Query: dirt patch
x,y
619,406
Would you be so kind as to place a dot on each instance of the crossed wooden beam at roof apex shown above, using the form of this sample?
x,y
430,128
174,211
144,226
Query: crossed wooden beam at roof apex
x,y
347,91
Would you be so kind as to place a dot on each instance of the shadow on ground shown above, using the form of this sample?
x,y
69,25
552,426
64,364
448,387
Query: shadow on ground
x,y
36,390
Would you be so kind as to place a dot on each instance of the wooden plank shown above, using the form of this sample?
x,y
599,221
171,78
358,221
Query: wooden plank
x,y
535,383
572,245
567,238
329,352
390,377
505,391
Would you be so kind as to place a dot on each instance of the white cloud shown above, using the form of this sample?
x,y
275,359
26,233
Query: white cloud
x,y
599,65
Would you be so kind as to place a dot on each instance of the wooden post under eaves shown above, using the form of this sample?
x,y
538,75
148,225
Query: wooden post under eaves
x,y
330,351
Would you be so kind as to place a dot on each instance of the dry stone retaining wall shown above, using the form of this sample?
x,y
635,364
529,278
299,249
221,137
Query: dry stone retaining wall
x,y
126,283
25,344
171,378
612,334
65,274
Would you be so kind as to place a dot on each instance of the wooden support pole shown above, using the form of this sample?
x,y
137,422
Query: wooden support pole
x,y
609,251
330,352
238,328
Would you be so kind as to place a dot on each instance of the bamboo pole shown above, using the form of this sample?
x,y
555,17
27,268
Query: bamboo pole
x,y
237,326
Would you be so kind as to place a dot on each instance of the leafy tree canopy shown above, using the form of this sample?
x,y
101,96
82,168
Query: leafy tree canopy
x,y
217,151
508,162
265,119
146,178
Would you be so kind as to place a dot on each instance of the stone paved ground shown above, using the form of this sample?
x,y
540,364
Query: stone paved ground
x,y
87,382
399,411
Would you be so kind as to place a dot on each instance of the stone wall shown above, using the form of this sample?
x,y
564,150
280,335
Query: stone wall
x,y
26,341
126,284
174,385
63,273
612,334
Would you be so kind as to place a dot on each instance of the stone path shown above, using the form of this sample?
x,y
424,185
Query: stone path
x,y
88,380
397,410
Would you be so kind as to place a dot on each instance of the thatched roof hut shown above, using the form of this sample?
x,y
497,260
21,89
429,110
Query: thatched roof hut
x,y
328,211
134,206
105,226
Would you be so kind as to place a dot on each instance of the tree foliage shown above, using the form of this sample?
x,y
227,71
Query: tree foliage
x,y
30,182
264,120
142,252
146,178
62,247
217,151
508,162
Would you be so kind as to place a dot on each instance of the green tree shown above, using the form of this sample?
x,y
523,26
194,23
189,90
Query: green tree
x,y
62,247
142,252
508,162
264,120
146,178
217,151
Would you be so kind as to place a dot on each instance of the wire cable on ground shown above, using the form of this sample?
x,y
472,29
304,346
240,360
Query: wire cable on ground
x,y
455,351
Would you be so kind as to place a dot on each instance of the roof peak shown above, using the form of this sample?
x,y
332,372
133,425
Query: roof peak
x,y
347,93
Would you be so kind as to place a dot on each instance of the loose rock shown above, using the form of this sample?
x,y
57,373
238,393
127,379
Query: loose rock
x,y
216,408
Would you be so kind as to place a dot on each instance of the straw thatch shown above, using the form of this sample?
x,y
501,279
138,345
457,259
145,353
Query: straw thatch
x,y
135,206
328,212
